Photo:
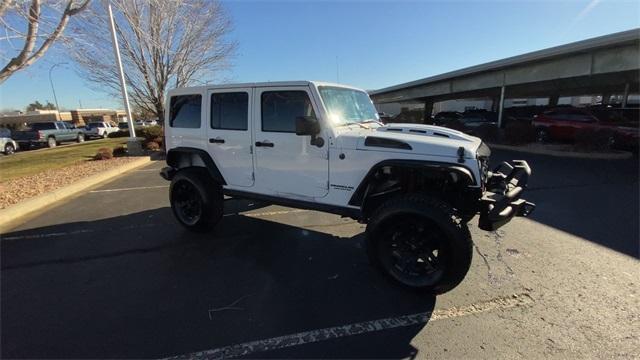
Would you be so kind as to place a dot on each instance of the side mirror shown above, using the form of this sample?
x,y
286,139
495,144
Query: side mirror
x,y
309,125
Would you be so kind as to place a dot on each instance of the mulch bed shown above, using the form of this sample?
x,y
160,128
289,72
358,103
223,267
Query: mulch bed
x,y
16,190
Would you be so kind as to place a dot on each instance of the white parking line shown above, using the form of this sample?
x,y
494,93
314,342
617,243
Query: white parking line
x,y
67,233
132,188
145,170
336,332
40,236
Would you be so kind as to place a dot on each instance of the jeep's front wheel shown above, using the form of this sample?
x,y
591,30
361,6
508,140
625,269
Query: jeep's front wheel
x,y
196,200
420,242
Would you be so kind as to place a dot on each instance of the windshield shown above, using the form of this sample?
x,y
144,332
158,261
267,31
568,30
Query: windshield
x,y
347,105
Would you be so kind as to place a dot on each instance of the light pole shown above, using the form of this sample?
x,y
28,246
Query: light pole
x,y
55,98
133,146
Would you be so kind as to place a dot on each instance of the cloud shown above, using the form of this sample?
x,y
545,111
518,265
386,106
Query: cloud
x,y
584,12
587,9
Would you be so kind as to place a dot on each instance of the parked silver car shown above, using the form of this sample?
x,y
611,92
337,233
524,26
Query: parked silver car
x,y
7,145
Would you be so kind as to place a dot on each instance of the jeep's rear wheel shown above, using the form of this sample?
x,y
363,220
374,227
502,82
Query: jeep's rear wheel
x,y
196,200
420,242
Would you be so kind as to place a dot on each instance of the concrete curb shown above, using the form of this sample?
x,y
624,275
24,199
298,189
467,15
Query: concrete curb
x,y
10,215
567,154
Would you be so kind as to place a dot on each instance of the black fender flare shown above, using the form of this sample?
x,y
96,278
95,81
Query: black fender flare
x,y
174,155
357,199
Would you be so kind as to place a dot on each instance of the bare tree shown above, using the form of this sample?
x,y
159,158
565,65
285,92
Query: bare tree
x,y
25,21
163,43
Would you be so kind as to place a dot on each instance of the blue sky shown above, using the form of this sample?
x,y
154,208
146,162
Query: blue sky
x,y
369,44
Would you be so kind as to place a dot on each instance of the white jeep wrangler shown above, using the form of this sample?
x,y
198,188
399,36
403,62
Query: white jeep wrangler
x,y
320,146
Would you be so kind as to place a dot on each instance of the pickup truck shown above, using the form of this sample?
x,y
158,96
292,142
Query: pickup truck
x,y
99,130
321,146
49,133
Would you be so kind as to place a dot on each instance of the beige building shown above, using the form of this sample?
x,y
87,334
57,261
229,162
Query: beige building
x,y
78,117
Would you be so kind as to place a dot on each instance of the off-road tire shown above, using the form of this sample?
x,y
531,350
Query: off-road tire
x,y
442,223
205,191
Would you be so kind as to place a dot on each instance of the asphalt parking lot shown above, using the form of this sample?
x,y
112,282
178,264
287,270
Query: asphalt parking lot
x,y
110,274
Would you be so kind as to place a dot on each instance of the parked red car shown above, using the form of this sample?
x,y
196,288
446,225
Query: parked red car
x,y
561,124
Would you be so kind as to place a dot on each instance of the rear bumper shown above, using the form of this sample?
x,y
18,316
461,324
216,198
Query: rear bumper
x,y
502,200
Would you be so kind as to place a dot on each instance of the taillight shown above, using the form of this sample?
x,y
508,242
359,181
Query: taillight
x,y
40,135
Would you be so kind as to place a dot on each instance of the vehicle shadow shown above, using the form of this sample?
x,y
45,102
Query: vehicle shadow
x,y
596,200
140,286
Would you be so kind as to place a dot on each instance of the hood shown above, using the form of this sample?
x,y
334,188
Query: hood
x,y
408,138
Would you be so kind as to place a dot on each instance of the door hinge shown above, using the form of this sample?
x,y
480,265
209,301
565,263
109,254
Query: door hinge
x,y
251,149
253,176
327,184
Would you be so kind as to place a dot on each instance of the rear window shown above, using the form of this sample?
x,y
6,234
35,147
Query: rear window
x,y
95,125
185,111
43,126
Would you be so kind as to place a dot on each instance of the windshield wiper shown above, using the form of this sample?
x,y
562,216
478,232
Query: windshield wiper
x,y
353,123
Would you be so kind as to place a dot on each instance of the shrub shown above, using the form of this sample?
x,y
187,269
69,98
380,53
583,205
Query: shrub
x,y
518,133
119,134
119,151
150,132
488,133
103,154
153,146
593,139
158,140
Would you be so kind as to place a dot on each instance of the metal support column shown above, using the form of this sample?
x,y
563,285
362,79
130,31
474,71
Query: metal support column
x,y
500,106
428,112
625,96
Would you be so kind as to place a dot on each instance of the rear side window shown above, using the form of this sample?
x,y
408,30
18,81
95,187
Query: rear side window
x,y
230,111
281,108
185,111
43,126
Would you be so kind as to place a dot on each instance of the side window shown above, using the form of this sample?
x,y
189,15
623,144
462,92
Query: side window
x,y
281,108
230,111
185,111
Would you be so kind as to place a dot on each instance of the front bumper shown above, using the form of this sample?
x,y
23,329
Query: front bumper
x,y
501,201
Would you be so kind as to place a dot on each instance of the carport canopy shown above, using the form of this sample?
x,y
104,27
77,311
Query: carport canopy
x,y
604,65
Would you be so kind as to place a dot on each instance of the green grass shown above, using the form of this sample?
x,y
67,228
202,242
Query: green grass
x,y
26,163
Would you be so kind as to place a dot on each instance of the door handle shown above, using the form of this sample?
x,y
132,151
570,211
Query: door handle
x,y
216,141
264,143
